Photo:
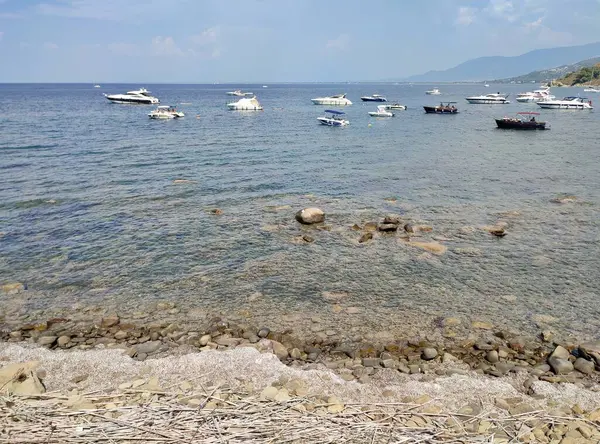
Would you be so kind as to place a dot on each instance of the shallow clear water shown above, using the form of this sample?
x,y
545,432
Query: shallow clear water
x,y
121,233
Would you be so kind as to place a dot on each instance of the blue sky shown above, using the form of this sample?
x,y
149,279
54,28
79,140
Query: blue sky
x,y
273,40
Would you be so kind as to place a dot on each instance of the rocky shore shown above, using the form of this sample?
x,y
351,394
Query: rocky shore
x,y
243,395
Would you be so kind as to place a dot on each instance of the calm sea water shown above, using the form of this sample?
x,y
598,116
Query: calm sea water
x,y
89,212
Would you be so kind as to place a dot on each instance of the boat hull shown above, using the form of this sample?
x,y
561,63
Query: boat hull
x,y
373,99
378,114
133,101
332,122
438,110
563,105
520,125
487,101
334,102
400,107
244,108
431,93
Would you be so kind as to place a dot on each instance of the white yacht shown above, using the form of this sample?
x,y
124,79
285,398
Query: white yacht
x,y
165,112
373,98
245,104
333,119
395,105
433,92
488,99
567,103
538,95
96,86
141,96
381,112
592,89
239,93
338,99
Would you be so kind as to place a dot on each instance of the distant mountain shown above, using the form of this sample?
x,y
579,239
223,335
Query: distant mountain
x,y
496,67
546,75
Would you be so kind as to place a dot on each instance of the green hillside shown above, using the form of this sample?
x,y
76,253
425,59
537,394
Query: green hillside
x,y
585,76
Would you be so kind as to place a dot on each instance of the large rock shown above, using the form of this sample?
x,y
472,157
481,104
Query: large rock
x,y
560,366
21,379
47,341
109,321
279,350
309,216
148,347
560,352
591,350
584,366
388,227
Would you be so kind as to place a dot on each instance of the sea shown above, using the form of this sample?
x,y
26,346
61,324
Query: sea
x,y
102,206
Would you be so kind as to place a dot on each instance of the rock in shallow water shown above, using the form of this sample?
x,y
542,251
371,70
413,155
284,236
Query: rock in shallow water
x,y
365,237
309,216
429,353
584,366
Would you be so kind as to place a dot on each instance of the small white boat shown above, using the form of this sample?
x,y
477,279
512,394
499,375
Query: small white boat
x,y
140,96
96,86
433,92
265,86
245,104
592,89
567,103
338,100
381,112
538,95
395,106
488,99
333,119
373,98
239,93
486,85
165,112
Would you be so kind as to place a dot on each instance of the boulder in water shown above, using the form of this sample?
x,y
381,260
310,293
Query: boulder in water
x,y
310,216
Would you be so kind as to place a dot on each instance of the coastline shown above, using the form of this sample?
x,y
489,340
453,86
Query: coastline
x,y
242,395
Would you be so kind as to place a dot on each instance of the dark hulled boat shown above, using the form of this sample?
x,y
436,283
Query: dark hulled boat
x,y
448,108
521,123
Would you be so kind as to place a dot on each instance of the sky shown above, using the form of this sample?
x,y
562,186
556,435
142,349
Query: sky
x,y
228,41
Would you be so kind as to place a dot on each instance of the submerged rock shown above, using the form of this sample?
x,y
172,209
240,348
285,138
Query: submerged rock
x,y
310,216
432,247
365,237
391,220
388,227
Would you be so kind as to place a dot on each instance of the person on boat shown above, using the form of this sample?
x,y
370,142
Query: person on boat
x,y
532,119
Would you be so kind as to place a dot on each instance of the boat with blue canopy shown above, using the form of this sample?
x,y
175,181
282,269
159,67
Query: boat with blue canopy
x,y
333,119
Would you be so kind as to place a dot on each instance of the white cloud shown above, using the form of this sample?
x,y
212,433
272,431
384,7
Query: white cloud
x,y
340,43
502,8
206,37
466,16
165,46
50,45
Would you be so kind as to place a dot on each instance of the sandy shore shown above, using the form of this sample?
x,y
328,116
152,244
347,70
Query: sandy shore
x,y
242,395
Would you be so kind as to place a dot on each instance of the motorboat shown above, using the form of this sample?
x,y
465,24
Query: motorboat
x,y
592,89
395,106
140,96
433,92
535,96
489,99
165,112
239,93
567,103
96,86
486,85
523,121
373,98
338,99
381,112
245,104
334,118
442,108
